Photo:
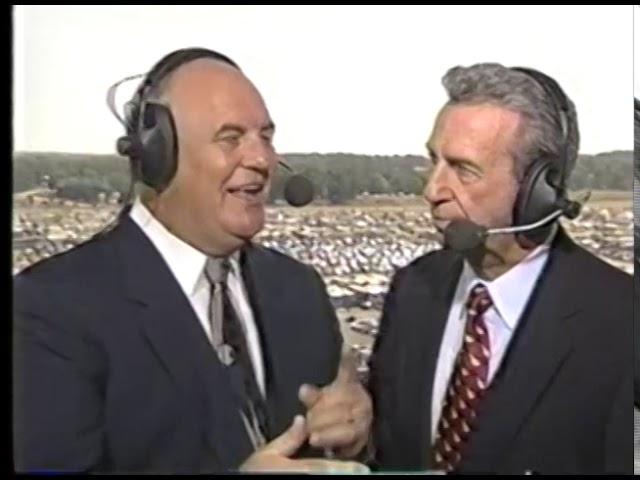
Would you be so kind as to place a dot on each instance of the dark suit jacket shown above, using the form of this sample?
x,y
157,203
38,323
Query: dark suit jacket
x,y
562,400
636,330
113,372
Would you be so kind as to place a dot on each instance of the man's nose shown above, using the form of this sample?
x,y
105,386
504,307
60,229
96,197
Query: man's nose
x,y
438,184
259,155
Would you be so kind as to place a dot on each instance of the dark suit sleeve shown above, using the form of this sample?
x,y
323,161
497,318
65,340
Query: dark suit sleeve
x,y
636,337
381,378
332,348
329,313
619,441
58,399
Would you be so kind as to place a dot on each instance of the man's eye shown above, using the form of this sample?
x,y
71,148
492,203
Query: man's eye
x,y
232,140
465,173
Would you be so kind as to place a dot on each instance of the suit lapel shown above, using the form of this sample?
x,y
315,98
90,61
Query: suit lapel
x,y
540,346
268,299
428,305
173,331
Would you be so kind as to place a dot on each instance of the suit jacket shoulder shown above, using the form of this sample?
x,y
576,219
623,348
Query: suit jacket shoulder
x,y
82,263
284,264
427,268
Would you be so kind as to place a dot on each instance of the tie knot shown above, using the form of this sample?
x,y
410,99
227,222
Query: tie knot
x,y
216,269
479,300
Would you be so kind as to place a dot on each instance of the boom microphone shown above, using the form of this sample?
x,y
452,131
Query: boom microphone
x,y
464,235
298,190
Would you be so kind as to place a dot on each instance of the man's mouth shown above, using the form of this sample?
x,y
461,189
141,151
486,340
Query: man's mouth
x,y
252,192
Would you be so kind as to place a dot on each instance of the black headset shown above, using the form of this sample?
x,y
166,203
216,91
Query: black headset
x,y
543,188
151,142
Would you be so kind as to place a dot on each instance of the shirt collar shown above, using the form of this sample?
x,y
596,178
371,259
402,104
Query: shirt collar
x,y
510,292
185,261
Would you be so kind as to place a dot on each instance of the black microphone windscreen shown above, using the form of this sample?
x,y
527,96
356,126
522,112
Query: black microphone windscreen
x,y
464,235
298,191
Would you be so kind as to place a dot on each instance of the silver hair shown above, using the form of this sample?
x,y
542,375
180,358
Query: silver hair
x,y
541,134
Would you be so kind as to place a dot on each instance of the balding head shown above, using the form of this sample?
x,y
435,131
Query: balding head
x,y
190,71
225,156
205,89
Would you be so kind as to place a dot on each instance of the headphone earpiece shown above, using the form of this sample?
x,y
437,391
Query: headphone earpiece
x,y
537,197
542,190
159,145
151,142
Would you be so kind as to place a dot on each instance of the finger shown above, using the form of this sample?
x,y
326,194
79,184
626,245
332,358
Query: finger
x,y
351,451
291,440
323,417
334,466
309,395
362,413
338,436
354,403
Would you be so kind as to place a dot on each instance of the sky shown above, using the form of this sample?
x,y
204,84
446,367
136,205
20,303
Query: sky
x,y
358,79
636,50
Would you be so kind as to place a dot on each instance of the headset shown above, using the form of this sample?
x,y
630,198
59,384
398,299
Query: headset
x,y
542,195
543,188
151,142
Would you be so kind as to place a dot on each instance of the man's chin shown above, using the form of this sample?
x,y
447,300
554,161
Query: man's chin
x,y
245,231
441,225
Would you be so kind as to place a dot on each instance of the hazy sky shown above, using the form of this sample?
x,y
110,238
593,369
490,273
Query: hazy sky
x,y
636,50
352,79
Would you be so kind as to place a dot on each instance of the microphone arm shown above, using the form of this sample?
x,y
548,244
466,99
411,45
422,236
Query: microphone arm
x,y
111,96
526,228
285,165
464,235
568,208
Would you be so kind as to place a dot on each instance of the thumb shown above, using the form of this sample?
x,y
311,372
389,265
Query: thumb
x,y
309,395
291,440
347,371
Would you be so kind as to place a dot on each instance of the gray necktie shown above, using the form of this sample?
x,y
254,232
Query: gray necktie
x,y
224,338
217,270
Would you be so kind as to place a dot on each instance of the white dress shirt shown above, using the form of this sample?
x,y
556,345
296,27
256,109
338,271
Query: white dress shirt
x,y
187,265
510,293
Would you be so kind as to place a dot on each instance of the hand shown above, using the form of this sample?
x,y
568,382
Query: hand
x,y
339,415
275,456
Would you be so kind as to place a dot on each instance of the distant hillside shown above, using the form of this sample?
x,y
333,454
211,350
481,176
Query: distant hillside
x,y
338,177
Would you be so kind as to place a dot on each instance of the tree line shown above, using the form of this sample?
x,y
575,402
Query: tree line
x,y
337,177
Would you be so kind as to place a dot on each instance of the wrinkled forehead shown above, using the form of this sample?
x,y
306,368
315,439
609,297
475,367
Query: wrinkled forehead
x,y
481,119
479,126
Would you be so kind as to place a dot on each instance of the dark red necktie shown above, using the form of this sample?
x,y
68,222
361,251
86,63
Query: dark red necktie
x,y
466,386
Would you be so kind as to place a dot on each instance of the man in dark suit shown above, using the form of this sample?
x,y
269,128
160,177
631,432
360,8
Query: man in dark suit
x,y
171,343
636,255
636,290
508,352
